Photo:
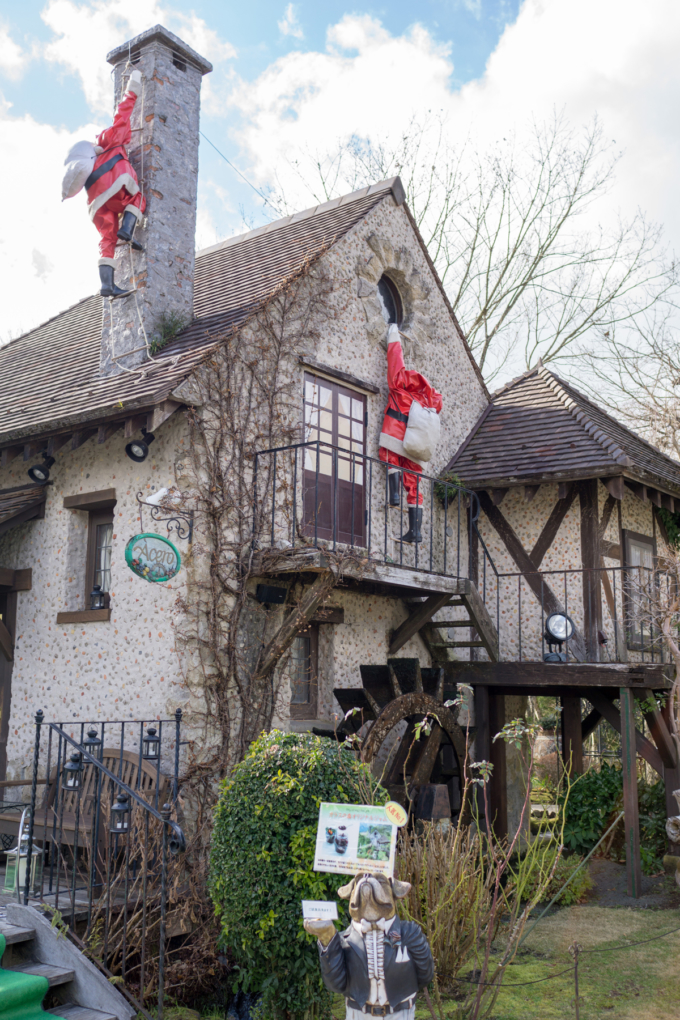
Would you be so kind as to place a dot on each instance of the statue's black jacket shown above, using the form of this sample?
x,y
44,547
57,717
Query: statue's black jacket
x,y
344,965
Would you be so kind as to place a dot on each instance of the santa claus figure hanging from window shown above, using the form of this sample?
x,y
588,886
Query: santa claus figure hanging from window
x,y
410,432
114,201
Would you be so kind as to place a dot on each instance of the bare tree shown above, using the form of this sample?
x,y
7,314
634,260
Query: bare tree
x,y
505,229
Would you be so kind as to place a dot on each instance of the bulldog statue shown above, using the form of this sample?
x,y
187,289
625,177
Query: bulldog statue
x,y
380,962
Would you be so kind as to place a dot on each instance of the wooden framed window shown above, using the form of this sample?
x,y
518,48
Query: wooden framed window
x,y
639,558
334,474
304,671
99,544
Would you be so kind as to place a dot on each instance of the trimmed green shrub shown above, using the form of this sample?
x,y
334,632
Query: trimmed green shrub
x,y
262,860
577,889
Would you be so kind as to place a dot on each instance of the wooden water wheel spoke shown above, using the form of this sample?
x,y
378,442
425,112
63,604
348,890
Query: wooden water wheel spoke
x,y
400,692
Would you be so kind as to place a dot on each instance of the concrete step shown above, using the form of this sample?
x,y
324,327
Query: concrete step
x,y
13,933
73,1012
54,975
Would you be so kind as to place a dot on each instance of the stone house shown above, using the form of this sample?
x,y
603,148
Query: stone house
x,y
550,484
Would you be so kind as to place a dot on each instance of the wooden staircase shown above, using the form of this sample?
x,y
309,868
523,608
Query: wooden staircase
x,y
76,990
420,621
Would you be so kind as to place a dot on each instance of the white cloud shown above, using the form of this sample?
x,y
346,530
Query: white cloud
x,y
289,24
86,31
13,59
474,7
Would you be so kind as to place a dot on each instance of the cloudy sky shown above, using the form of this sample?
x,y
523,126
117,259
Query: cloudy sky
x,y
293,76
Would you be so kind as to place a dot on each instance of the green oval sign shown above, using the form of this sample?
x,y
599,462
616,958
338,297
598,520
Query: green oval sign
x,y
152,557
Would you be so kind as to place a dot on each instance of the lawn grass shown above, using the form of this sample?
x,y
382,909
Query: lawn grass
x,y
639,983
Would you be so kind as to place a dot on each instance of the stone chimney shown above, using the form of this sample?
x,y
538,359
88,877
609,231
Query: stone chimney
x,y
164,153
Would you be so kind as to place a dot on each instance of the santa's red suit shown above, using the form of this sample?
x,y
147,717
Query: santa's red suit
x,y
405,387
112,187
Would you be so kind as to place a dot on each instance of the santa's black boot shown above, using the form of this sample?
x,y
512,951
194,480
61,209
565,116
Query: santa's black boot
x,y
394,482
415,519
109,288
127,229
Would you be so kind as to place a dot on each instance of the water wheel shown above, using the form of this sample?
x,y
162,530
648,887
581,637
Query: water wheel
x,y
401,694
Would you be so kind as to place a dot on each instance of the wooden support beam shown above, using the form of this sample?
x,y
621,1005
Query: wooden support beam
x,y
590,724
639,489
155,418
590,561
498,784
572,740
417,619
134,425
32,450
630,792
9,453
497,496
298,618
6,643
609,711
55,443
667,502
563,489
671,777
615,486
551,527
657,727
536,582
78,438
530,492
573,674
105,432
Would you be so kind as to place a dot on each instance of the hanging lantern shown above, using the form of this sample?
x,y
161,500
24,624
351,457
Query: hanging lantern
x,y
92,743
120,815
73,772
97,597
17,862
151,745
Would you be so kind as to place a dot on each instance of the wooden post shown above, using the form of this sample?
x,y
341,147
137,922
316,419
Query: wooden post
x,y
671,778
590,561
572,736
498,787
630,792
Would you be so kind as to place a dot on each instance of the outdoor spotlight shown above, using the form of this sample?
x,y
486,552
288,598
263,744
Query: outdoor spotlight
x,y
97,597
151,744
558,629
41,472
73,771
138,449
120,815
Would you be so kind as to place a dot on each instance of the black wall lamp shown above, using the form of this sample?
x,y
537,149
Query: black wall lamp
x,y
138,449
41,472
558,628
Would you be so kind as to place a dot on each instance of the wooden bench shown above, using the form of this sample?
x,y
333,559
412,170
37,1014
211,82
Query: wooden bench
x,y
53,824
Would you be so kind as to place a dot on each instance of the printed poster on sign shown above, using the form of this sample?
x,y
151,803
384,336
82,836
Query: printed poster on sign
x,y
352,838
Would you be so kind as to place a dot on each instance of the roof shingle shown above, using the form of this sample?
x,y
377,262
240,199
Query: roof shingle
x,y
541,428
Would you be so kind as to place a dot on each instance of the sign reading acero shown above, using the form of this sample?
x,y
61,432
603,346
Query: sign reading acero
x,y
152,557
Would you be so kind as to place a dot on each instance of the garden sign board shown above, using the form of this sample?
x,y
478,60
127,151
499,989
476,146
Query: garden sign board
x,y
152,557
353,838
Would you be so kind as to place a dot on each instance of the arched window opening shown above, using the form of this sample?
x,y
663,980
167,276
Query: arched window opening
x,y
390,301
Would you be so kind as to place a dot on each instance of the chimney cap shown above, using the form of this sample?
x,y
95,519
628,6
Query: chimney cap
x,y
172,41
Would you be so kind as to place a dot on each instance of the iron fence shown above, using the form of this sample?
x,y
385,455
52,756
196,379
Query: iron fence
x,y
109,843
317,495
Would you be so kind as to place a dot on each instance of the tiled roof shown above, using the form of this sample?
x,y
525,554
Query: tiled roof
x,y
50,378
19,502
540,428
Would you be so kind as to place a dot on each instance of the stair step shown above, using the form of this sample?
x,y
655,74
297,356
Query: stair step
x,y
80,1013
55,975
452,623
459,644
14,933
